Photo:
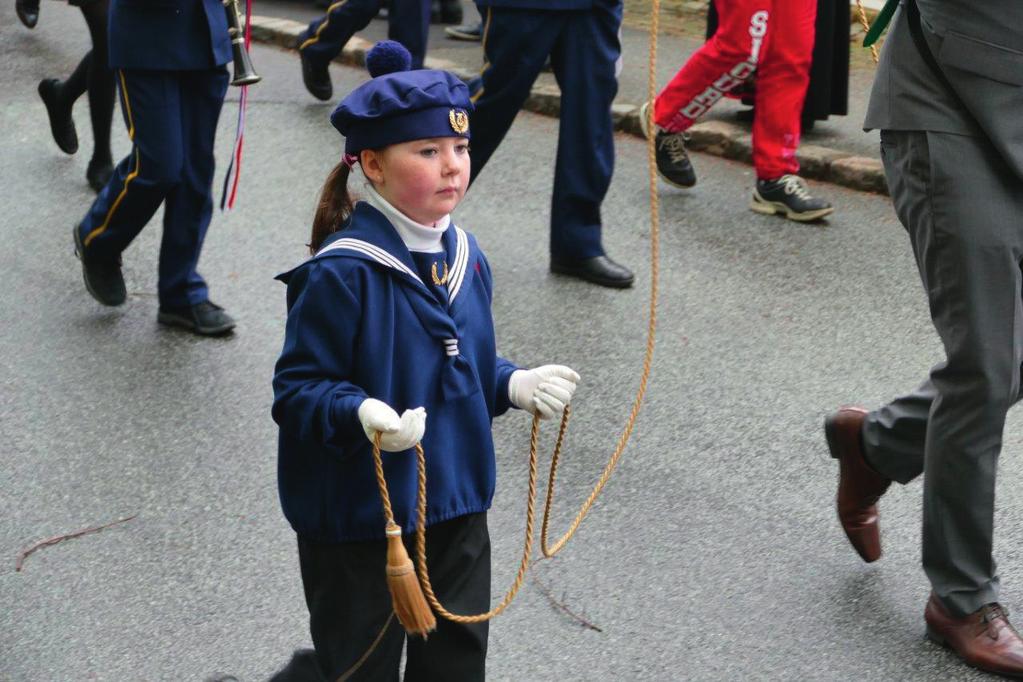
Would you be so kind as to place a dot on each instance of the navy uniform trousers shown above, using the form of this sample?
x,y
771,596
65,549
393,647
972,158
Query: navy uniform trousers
x,y
169,59
584,49
172,121
408,23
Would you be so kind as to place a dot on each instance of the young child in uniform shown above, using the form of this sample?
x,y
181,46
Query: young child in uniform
x,y
389,330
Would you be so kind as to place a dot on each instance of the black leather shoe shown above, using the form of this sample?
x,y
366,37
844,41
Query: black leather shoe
x,y
61,124
598,270
316,79
103,278
98,173
206,318
28,12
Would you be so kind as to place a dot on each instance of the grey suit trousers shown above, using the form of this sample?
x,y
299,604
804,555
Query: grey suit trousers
x,y
962,206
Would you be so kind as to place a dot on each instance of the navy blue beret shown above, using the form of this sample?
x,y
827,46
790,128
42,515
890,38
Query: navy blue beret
x,y
400,105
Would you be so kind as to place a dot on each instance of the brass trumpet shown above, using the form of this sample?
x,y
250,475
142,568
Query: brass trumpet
x,y
244,73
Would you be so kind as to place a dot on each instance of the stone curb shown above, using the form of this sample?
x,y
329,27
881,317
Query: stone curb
x,y
719,138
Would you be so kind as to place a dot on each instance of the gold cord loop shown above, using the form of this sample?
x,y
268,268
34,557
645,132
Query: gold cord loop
x,y
623,439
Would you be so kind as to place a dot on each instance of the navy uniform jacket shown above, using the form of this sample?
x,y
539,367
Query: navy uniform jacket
x,y
362,324
168,35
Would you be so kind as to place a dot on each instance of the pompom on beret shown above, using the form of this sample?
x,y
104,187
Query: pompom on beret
x,y
398,105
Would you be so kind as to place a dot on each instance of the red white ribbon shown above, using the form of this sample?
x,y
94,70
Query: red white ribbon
x,y
234,168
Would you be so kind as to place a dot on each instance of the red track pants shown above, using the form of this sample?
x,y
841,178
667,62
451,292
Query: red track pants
x,y
773,38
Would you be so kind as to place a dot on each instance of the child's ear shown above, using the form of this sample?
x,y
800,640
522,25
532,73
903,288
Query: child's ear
x,y
369,159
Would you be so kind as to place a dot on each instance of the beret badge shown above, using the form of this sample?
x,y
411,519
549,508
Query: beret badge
x,y
459,121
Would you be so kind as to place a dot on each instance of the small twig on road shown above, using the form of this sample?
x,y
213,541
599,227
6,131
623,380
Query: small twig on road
x,y
60,538
561,606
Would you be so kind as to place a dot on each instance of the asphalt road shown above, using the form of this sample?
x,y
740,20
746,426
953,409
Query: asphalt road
x,y
714,553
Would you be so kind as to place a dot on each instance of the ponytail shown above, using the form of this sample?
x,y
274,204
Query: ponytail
x,y
334,208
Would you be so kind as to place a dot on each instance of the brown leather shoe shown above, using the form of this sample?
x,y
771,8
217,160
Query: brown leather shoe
x,y
859,486
984,639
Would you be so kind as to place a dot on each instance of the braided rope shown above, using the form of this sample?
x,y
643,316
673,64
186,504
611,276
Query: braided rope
x,y
623,439
866,27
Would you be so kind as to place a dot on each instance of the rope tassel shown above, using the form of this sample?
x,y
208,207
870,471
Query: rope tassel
x,y
410,605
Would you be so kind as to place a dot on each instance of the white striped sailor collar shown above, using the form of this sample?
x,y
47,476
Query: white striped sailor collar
x,y
370,236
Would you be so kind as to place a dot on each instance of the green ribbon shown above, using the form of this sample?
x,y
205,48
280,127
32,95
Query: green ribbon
x,y
880,23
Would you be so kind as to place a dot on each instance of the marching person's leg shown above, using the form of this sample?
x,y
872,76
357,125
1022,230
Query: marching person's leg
x,y
326,37
783,74
516,44
408,22
458,557
584,61
184,299
961,206
101,89
151,106
723,62
970,243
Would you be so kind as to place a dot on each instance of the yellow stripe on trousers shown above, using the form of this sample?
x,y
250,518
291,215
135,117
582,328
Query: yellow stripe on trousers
x,y
316,37
486,64
131,176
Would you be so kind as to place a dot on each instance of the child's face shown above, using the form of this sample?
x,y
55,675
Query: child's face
x,y
424,179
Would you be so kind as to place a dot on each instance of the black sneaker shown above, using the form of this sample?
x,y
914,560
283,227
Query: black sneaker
x,y
206,318
789,196
61,124
673,162
473,32
103,277
316,78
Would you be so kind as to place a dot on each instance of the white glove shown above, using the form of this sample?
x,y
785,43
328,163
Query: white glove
x,y
545,390
397,433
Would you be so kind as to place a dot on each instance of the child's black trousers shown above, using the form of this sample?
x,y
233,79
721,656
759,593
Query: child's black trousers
x,y
346,591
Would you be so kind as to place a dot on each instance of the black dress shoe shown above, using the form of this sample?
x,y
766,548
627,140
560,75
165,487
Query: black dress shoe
x,y
98,173
316,78
28,12
206,318
61,124
599,270
103,278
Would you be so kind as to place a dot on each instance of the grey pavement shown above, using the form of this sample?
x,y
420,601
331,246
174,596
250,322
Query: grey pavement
x,y
714,553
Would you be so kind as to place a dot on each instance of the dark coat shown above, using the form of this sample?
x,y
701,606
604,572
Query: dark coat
x,y
828,92
168,35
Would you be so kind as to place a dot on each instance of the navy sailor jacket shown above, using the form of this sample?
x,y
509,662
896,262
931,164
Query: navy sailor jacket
x,y
361,323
